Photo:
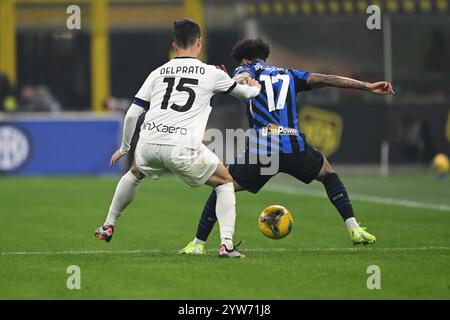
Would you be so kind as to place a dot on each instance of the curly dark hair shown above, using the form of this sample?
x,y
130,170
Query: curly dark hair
x,y
250,49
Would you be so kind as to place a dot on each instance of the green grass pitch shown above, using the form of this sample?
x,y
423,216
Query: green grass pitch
x,y
47,224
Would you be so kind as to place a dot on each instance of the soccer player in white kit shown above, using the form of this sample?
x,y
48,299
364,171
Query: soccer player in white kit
x,y
177,98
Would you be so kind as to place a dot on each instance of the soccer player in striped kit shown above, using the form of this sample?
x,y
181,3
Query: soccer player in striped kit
x,y
273,116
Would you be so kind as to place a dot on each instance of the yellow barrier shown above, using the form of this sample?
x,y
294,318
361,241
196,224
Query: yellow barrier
x,y
8,40
99,54
193,9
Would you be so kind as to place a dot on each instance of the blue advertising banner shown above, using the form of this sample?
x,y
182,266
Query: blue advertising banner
x,y
58,146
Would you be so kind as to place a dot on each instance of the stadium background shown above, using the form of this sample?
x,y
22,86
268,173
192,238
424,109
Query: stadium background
x,y
99,68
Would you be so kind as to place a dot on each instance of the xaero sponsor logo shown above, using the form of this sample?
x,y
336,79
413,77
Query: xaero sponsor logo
x,y
150,126
278,130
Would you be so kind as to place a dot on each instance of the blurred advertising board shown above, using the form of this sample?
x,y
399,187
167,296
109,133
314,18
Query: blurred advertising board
x,y
59,144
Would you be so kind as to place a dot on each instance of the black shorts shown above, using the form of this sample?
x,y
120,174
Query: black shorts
x,y
305,166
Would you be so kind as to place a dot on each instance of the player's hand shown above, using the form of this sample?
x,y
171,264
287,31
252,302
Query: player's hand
x,y
381,87
252,83
116,157
222,67
241,78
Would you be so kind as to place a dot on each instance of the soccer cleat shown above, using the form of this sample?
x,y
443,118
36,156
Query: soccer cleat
x,y
104,233
194,249
233,253
361,236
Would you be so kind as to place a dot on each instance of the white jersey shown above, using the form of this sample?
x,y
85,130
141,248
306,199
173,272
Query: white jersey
x,y
179,93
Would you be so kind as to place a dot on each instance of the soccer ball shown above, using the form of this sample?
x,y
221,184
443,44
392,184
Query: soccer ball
x,y
275,222
441,164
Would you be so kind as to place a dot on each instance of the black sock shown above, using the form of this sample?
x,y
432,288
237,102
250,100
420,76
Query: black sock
x,y
208,218
338,195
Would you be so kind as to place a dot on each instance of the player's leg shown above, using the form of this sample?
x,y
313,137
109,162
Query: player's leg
x,y
338,195
225,208
246,177
205,225
126,190
146,163
202,166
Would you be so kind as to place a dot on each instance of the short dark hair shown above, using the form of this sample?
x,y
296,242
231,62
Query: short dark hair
x,y
185,32
250,49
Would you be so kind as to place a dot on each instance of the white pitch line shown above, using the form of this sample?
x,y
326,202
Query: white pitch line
x,y
359,197
74,252
348,249
126,252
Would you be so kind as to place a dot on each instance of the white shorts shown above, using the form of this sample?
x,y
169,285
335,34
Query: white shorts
x,y
194,167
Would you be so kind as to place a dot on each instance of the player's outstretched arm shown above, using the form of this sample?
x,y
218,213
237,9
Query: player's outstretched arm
x,y
242,90
317,80
129,126
249,90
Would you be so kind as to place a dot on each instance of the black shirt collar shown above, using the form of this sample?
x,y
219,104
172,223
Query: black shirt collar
x,y
185,58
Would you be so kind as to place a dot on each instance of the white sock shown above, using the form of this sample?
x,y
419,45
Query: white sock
x,y
125,191
197,241
351,224
226,213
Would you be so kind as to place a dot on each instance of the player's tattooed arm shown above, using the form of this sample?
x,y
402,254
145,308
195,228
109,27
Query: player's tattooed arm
x,y
317,80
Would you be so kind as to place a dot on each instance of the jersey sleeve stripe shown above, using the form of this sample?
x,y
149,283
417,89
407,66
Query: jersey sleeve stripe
x,y
141,103
231,88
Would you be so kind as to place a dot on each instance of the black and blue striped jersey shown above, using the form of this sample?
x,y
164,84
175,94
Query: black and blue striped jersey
x,y
273,113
